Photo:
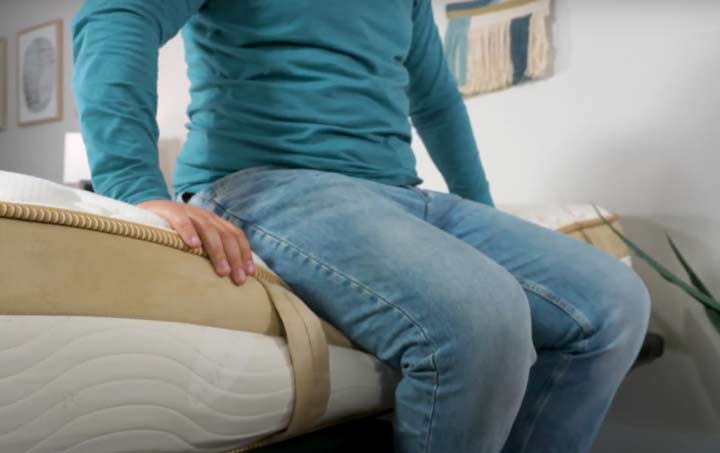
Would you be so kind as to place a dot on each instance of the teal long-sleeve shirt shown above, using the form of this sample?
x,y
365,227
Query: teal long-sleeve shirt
x,y
322,84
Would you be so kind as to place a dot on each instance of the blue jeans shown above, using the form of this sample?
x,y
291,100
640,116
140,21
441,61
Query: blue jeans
x,y
509,337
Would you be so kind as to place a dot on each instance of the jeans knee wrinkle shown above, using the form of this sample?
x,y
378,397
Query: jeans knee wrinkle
x,y
576,315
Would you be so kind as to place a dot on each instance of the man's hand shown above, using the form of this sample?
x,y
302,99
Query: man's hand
x,y
225,243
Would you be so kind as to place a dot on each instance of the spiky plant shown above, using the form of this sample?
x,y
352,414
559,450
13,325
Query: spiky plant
x,y
695,289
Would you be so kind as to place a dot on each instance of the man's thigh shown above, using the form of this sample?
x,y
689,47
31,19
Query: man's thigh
x,y
360,255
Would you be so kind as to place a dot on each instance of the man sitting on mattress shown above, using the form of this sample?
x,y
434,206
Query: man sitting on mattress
x,y
510,337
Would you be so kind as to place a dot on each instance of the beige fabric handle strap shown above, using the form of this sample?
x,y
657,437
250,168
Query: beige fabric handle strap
x,y
310,357
309,354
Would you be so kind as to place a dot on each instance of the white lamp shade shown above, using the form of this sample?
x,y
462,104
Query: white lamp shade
x,y
77,167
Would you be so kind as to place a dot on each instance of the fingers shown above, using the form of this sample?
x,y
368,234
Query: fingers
x,y
233,253
212,242
177,217
225,243
185,228
243,244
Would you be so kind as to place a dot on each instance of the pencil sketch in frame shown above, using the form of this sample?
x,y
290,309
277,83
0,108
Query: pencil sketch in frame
x,y
3,82
39,73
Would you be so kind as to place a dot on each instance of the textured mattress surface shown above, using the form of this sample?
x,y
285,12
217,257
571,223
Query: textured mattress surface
x,y
92,384
19,188
80,384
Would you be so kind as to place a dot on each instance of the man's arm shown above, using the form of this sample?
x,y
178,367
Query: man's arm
x,y
115,47
438,112
115,50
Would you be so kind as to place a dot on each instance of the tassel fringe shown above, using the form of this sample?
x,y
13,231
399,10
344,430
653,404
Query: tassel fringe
x,y
539,47
479,48
488,59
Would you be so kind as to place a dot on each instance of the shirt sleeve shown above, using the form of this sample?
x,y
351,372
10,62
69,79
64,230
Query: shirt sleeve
x,y
115,53
438,112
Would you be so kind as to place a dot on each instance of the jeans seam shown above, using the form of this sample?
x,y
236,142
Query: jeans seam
x,y
572,312
425,198
440,222
556,376
362,288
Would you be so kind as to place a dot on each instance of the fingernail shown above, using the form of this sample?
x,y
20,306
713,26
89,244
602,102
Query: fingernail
x,y
195,241
224,267
240,276
250,267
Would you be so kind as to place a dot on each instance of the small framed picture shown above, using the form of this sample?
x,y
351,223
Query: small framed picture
x,y
3,83
39,73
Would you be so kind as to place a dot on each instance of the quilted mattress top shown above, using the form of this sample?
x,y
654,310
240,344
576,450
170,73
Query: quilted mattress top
x,y
20,188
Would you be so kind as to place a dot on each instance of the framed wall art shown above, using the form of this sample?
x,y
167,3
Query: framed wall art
x,y
39,73
496,44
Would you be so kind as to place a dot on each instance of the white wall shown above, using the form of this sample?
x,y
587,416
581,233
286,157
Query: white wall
x,y
35,149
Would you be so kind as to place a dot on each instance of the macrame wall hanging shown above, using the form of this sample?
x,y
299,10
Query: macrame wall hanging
x,y
495,44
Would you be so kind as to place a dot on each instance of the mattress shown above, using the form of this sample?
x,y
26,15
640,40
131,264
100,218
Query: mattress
x,y
107,379
83,384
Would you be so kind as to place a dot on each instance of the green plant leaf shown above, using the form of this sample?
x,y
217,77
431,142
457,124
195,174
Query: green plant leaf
x,y
701,297
714,317
694,278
